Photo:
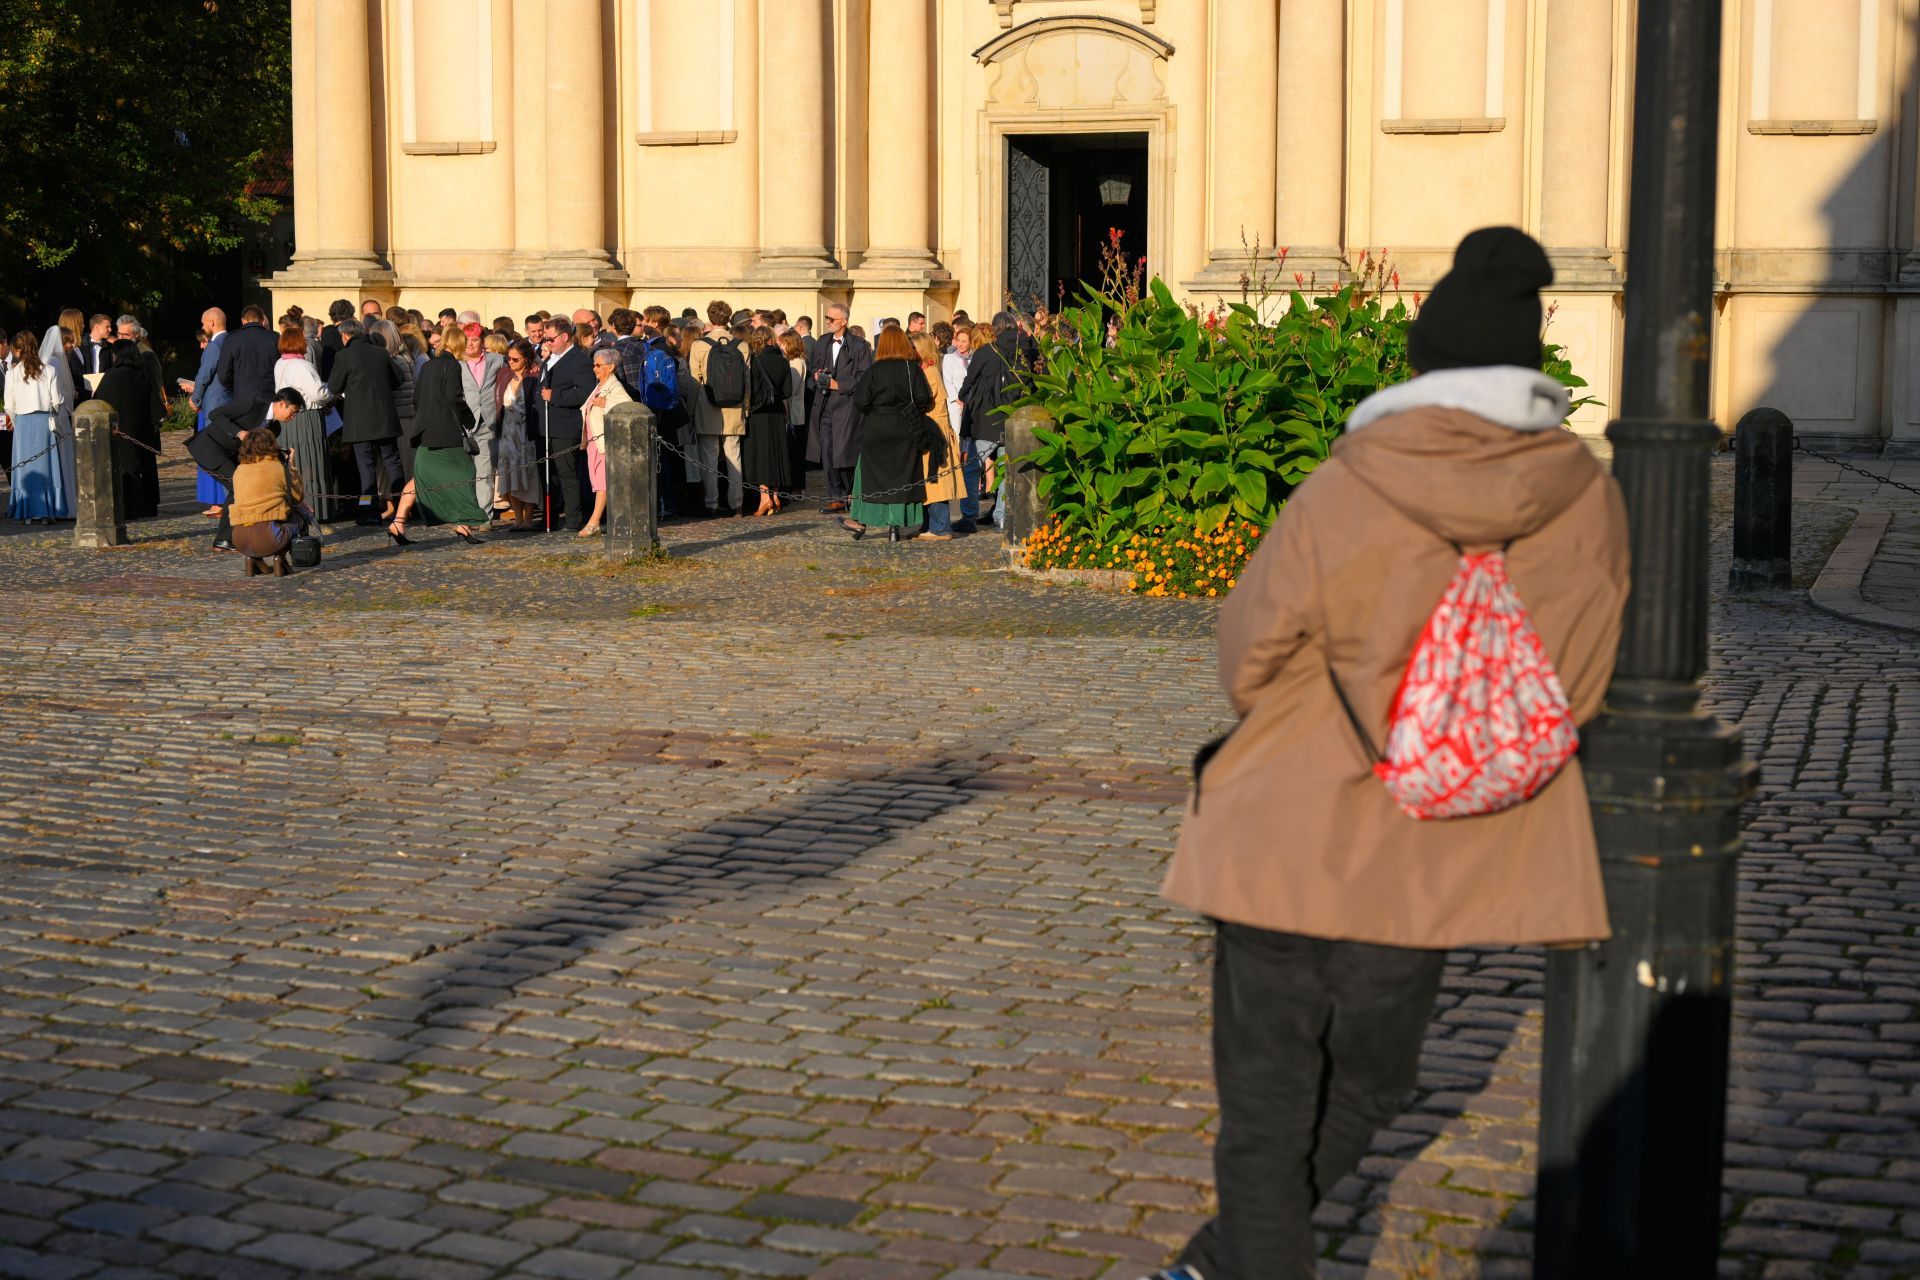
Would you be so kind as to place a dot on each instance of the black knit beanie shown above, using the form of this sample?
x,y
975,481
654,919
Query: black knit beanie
x,y
1487,309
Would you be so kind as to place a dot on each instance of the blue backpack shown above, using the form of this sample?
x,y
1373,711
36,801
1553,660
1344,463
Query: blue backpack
x,y
648,372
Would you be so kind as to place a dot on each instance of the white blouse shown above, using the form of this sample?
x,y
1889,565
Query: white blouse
x,y
295,372
37,395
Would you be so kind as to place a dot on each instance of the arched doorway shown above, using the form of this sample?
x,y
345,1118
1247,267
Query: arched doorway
x,y
1074,145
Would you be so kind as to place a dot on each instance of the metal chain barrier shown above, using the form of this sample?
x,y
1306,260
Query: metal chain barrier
x,y
1800,446
694,463
784,495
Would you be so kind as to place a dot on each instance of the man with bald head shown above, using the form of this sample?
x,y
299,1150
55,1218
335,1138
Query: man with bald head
x,y
204,392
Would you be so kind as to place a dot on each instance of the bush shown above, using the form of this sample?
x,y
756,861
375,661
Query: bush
x,y
1170,424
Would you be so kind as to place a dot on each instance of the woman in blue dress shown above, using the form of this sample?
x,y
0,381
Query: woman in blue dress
x,y
35,402
208,395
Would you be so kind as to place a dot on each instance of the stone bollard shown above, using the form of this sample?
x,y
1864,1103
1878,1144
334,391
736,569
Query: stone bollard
x,y
96,504
1026,509
1762,502
633,509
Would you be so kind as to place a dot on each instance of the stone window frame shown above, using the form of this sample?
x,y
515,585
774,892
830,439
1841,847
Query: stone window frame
x,y
645,134
411,143
1865,120
1494,96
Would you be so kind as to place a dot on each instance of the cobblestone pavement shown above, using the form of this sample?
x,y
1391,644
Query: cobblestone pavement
x,y
1893,580
785,910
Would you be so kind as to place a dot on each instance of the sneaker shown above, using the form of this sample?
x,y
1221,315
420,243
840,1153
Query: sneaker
x,y
1181,1272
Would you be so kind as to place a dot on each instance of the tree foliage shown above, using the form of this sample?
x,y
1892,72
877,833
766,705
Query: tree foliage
x,y
132,129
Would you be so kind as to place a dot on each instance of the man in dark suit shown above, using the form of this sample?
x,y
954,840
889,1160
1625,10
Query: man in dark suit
x,y
365,378
564,387
247,359
840,359
337,310
93,353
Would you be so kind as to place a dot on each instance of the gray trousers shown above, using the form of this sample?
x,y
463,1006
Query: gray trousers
x,y
489,441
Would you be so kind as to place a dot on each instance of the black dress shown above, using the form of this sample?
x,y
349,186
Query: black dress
x,y
130,389
763,454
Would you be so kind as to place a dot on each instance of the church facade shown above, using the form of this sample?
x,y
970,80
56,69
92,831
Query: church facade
x,y
902,155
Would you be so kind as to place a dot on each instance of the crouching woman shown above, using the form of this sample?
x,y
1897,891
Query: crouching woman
x,y
266,511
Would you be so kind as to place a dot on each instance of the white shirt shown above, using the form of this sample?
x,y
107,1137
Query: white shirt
x,y
40,395
953,372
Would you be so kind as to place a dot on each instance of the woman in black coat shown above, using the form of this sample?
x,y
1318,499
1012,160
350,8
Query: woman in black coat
x,y
442,462
892,400
129,388
763,456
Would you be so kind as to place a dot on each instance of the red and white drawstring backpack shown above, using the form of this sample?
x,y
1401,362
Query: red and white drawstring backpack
x,y
1480,722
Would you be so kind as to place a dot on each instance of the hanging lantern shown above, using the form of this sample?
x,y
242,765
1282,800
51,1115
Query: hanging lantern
x,y
1116,189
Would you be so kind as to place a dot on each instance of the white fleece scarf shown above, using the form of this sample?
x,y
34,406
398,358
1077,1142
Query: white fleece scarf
x,y
1515,398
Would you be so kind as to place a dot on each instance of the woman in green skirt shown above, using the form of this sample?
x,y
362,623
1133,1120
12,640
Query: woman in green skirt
x,y
442,462
893,399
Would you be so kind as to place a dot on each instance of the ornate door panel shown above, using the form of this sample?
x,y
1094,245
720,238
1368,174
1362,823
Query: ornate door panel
x,y
1029,224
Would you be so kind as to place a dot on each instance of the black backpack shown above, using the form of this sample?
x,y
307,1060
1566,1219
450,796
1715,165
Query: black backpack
x,y
726,381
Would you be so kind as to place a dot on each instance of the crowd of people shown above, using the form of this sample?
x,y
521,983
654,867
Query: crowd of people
x,y
382,414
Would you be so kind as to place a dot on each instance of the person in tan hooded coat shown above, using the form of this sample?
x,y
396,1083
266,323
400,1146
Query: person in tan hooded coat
x,y
1334,910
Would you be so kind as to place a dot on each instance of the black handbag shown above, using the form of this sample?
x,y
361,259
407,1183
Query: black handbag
x,y
305,552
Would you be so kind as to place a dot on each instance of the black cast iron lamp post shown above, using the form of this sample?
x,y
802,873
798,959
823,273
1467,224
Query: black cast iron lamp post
x,y
1634,1082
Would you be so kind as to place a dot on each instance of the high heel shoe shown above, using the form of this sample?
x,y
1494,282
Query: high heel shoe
x,y
858,531
466,536
255,566
396,535
281,568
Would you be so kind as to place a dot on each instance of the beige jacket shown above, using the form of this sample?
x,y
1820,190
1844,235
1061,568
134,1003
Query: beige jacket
x,y
1288,829
945,483
709,419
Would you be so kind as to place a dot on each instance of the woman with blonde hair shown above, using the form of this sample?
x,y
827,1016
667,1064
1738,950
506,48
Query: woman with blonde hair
x,y
946,485
442,434
57,354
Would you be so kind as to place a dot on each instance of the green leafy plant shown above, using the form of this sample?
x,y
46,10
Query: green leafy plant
x,y
1170,422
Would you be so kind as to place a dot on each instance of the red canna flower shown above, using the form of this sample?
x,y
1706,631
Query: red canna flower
x,y
1299,279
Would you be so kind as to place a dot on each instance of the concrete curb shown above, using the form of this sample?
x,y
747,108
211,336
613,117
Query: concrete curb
x,y
1103,579
1838,589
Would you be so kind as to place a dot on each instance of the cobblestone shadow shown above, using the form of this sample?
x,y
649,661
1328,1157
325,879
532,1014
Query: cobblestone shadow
x,y
771,846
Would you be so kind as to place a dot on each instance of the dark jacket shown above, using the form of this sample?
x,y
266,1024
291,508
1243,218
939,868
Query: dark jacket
x,y
403,394
441,415
570,378
835,424
767,376
246,363
128,387
893,400
330,348
993,383
216,446
365,379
